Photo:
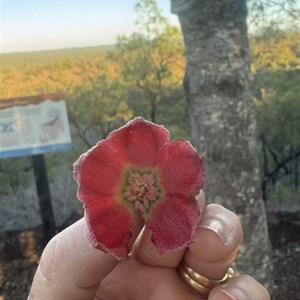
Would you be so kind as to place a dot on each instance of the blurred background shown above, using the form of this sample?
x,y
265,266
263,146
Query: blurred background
x,y
113,61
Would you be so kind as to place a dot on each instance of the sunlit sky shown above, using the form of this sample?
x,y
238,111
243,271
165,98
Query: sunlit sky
x,y
29,25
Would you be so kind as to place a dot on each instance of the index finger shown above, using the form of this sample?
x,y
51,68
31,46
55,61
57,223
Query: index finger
x,y
70,268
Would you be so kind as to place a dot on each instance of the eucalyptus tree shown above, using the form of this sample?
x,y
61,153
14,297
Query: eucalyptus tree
x,y
222,115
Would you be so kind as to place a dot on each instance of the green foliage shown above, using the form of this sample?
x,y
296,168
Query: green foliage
x,y
14,172
173,113
279,108
275,62
45,58
150,19
276,14
283,196
99,109
151,60
278,115
274,50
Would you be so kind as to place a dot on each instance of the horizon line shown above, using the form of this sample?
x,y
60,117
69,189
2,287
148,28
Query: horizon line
x,y
55,49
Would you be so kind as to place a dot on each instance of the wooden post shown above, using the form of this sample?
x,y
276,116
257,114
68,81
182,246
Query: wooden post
x,y
42,186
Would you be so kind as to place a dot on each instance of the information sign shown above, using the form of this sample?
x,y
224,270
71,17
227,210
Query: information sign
x,y
33,125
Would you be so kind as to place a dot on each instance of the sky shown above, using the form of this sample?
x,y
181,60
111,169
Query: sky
x,y
31,25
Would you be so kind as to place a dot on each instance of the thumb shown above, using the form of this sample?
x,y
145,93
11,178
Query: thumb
x,y
70,268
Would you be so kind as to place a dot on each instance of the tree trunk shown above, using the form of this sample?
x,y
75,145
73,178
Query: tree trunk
x,y
296,174
265,171
153,108
222,115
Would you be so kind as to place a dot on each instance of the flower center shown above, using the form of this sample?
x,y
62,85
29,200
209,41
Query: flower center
x,y
140,189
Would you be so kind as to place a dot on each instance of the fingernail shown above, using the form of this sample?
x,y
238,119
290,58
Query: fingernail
x,y
201,200
217,227
222,222
234,293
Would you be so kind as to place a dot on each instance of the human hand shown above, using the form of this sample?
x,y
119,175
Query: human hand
x,y
71,269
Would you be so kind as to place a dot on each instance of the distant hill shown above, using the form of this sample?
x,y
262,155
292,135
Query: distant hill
x,y
11,60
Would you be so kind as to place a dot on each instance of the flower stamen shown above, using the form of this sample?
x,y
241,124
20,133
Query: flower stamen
x,y
140,189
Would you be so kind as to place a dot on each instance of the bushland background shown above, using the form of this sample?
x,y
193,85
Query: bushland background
x,y
106,86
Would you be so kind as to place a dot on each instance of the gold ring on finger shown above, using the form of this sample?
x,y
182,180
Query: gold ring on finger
x,y
198,282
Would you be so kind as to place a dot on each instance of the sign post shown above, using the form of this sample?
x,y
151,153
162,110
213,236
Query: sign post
x,y
43,192
33,126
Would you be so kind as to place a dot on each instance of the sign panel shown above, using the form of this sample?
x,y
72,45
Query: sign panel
x,y
33,125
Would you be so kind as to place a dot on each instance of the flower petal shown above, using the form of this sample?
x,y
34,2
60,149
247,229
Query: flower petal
x,y
173,223
181,169
140,140
99,171
109,225
137,145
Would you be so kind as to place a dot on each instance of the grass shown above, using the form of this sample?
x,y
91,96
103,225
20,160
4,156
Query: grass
x,y
19,59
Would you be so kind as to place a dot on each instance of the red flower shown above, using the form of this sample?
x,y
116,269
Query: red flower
x,y
138,170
